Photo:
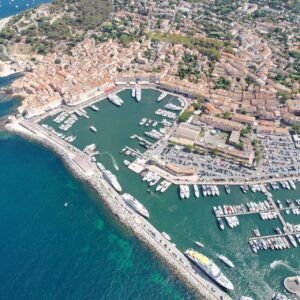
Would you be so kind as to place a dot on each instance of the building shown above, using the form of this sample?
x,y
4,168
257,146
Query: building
x,y
244,119
218,123
234,137
185,134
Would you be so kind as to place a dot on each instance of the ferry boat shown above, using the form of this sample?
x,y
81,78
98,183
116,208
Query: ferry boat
x,y
196,191
209,268
110,178
94,129
116,100
161,96
226,261
138,94
136,205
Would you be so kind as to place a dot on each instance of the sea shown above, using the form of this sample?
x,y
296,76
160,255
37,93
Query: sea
x,y
58,241
256,275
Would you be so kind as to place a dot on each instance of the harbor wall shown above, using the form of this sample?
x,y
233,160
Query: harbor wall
x,y
127,219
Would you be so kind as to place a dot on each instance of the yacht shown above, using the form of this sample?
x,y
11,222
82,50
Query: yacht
x,y
113,98
143,121
138,94
94,107
196,191
166,186
110,178
199,244
173,107
186,191
227,189
181,191
94,129
126,162
161,96
166,236
221,223
209,268
133,92
136,205
226,261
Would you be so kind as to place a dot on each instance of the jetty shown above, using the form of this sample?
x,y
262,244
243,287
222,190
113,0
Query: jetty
x,y
292,285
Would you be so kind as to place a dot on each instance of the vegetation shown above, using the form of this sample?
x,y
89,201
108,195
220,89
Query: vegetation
x,y
206,46
222,83
184,116
296,128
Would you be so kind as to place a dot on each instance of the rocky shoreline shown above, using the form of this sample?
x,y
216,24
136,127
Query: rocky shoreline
x,y
141,228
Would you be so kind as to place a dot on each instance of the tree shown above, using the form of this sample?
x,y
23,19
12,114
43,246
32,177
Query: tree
x,y
296,128
184,116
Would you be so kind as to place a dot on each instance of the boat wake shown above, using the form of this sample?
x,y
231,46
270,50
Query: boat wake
x,y
113,160
277,263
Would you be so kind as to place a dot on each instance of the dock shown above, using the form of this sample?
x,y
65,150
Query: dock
x,y
292,285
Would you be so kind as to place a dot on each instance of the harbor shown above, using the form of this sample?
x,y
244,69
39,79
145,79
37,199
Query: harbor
x,y
191,219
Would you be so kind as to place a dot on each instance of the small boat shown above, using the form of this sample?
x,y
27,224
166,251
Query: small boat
x,y
181,192
221,223
66,204
199,244
226,261
126,162
93,129
227,189
196,191
166,236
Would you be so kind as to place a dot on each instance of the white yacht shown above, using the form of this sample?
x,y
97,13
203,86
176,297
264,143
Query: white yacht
x,y
136,205
110,178
161,96
226,261
94,129
196,191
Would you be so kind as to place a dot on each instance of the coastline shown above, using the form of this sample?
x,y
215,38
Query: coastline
x,y
141,228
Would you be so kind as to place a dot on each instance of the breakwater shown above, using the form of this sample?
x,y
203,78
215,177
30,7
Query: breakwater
x,y
87,172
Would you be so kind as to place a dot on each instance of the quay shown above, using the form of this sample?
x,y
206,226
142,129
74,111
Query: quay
x,y
292,285
257,212
271,236
80,164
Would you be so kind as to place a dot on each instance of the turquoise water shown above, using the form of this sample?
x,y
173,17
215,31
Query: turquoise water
x,y
8,8
258,275
8,104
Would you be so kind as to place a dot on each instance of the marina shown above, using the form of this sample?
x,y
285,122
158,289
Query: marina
x,y
167,212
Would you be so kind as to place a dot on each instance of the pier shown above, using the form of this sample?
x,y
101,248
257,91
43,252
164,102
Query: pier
x,y
292,285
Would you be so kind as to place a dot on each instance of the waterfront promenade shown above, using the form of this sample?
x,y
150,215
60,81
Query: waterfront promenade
x,y
83,168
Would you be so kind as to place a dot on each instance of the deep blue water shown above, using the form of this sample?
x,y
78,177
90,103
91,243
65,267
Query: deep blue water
x,y
49,251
